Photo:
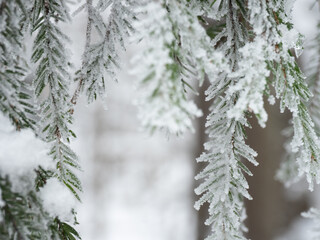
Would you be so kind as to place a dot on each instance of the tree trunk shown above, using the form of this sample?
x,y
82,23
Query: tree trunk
x,y
269,212
202,230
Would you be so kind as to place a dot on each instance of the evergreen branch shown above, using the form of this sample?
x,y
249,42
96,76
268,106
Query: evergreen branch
x,y
25,219
64,230
249,40
224,185
21,220
52,72
314,83
89,7
293,93
15,97
164,71
290,169
42,177
102,57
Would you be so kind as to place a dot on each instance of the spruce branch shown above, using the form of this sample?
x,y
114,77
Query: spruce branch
x,y
52,74
102,57
293,93
15,97
224,185
165,79
25,219
76,94
313,73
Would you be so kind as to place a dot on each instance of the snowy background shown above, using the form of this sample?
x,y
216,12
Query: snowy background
x,y
140,187
136,186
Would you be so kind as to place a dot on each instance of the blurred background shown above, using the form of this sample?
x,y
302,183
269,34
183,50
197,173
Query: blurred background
x,y
140,187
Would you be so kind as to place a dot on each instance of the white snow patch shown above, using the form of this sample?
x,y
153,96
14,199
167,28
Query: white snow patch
x,y
58,200
20,154
271,100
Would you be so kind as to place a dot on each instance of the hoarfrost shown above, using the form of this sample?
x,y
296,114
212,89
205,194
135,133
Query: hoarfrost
x,y
163,103
251,86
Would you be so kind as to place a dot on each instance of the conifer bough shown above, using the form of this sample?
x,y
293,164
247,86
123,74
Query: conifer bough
x,y
246,49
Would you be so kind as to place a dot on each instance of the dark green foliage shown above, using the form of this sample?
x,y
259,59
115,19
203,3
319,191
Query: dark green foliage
x,y
20,221
62,230
15,96
23,214
42,177
25,219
